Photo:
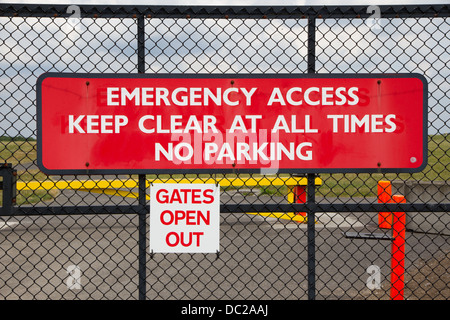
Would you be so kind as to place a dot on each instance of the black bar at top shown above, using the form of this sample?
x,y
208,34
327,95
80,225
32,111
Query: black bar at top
x,y
254,12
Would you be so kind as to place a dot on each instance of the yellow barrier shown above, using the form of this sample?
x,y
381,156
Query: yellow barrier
x,y
113,187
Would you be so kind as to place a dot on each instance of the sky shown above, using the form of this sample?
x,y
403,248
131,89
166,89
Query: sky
x,y
201,46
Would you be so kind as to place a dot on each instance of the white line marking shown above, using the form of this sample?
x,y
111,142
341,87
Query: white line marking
x,y
10,224
324,220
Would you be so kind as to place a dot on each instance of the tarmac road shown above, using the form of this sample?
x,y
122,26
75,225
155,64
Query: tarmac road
x,y
260,257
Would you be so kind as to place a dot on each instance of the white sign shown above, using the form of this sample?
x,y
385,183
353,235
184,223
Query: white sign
x,y
184,218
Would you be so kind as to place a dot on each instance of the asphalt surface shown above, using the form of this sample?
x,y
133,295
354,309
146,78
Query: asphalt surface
x,y
260,258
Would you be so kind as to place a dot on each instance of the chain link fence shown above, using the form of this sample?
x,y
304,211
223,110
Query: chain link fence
x,y
86,236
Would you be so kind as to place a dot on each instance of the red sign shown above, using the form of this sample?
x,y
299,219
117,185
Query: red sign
x,y
124,123
184,218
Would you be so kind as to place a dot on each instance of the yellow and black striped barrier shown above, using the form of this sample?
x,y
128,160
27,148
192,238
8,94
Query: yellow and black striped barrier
x,y
296,185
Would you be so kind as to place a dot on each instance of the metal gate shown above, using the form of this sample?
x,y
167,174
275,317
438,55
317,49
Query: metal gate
x,y
86,236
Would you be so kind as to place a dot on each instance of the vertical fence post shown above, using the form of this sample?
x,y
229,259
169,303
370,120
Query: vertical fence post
x,y
311,195
142,180
300,192
142,238
311,238
141,44
8,185
311,59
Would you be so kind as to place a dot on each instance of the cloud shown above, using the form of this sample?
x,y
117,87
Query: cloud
x,y
32,46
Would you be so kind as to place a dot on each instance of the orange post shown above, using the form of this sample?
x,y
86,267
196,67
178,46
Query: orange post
x,y
300,197
384,196
398,252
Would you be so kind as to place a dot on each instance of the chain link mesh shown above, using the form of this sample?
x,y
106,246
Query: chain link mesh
x,y
56,235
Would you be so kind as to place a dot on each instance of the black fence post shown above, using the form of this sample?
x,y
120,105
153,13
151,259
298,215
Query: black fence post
x,y
311,190
311,234
8,185
311,59
142,238
142,180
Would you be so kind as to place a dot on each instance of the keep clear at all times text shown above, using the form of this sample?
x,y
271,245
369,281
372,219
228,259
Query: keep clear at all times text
x,y
246,124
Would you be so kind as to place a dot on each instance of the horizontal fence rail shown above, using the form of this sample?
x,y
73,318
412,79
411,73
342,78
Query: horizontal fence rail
x,y
319,235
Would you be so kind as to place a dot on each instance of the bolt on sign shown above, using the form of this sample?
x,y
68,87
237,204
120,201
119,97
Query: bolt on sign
x,y
146,123
184,218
